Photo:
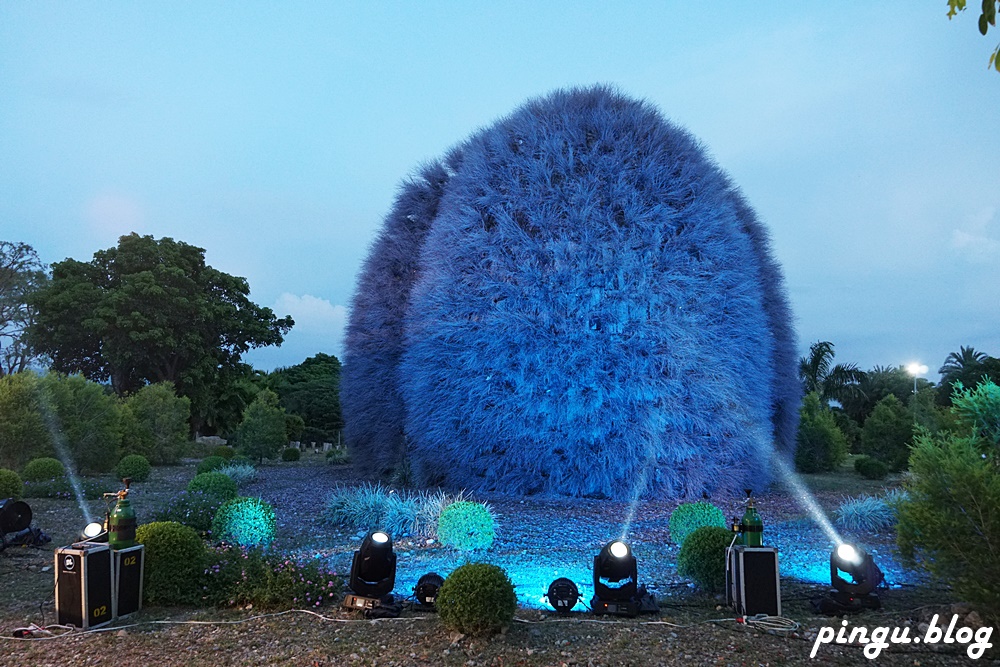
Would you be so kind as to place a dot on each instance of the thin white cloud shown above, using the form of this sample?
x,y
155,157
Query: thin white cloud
x,y
976,243
319,327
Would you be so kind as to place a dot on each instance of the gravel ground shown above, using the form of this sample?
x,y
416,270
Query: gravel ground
x,y
538,540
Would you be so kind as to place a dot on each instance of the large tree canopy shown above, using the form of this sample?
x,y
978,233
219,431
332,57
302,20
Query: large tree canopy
x,y
21,274
147,311
311,390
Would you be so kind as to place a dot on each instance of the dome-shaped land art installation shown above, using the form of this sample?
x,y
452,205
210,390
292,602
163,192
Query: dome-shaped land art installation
x,y
575,301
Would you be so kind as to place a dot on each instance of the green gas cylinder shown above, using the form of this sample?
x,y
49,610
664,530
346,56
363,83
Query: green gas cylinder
x,y
752,525
122,521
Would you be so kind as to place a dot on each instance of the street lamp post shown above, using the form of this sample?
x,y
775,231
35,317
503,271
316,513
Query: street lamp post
x,y
916,370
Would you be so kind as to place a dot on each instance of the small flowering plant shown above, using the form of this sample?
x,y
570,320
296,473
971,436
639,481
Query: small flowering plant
x,y
268,580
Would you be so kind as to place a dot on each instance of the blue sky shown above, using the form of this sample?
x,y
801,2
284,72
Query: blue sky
x,y
274,135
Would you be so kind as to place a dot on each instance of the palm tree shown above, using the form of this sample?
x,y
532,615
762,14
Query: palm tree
x,y
819,374
958,362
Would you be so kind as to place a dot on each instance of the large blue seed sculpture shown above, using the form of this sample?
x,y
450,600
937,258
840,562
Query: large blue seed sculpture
x,y
574,301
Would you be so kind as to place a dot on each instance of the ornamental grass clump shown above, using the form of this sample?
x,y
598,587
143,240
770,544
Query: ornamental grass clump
x,y
247,522
703,557
37,470
175,559
240,473
688,517
477,599
466,526
865,514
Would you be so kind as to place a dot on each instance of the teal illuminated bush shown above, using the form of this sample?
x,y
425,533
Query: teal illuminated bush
x,y
688,517
10,484
248,522
870,468
134,466
703,557
466,526
44,468
210,463
477,599
215,483
289,454
175,562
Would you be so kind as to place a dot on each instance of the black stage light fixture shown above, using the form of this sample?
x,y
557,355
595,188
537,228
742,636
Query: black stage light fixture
x,y
373,572
94,532
563,595
426,591
616,588
15,525
865,576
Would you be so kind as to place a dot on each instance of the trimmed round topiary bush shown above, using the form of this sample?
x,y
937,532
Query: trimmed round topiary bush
x,y
248,522
11,485
688,517
477,599
289,454
135,467
466,526
175,561
703,557
38,470
225,451
210,463
870,468
215,483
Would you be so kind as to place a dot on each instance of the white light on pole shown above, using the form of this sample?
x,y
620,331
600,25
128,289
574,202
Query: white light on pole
x,y
916,370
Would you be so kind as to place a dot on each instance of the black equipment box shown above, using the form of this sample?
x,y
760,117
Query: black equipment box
x,y
129,565
753,585
84,595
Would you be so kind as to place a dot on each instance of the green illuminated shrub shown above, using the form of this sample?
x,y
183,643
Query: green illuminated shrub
x,y
11,485
248,522
870,468
44,468
240,460
466,526
175,561
210,463
134,466
215,483
289,454
688,517
477,599
703,557
888,432
196,510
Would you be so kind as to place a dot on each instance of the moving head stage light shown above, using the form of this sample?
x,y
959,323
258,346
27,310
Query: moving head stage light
x,y
373,573
857,594
15,526
616,589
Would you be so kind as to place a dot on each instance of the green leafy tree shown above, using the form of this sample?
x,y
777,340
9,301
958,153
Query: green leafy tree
x,y
83,418
311,390
877,383
820,375
24,434
820,446
261,434
987,18
21,275
155,423
978,410
888,432
151,311
968,367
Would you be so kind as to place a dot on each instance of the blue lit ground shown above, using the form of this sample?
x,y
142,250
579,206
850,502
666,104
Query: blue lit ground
x,y
540,540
